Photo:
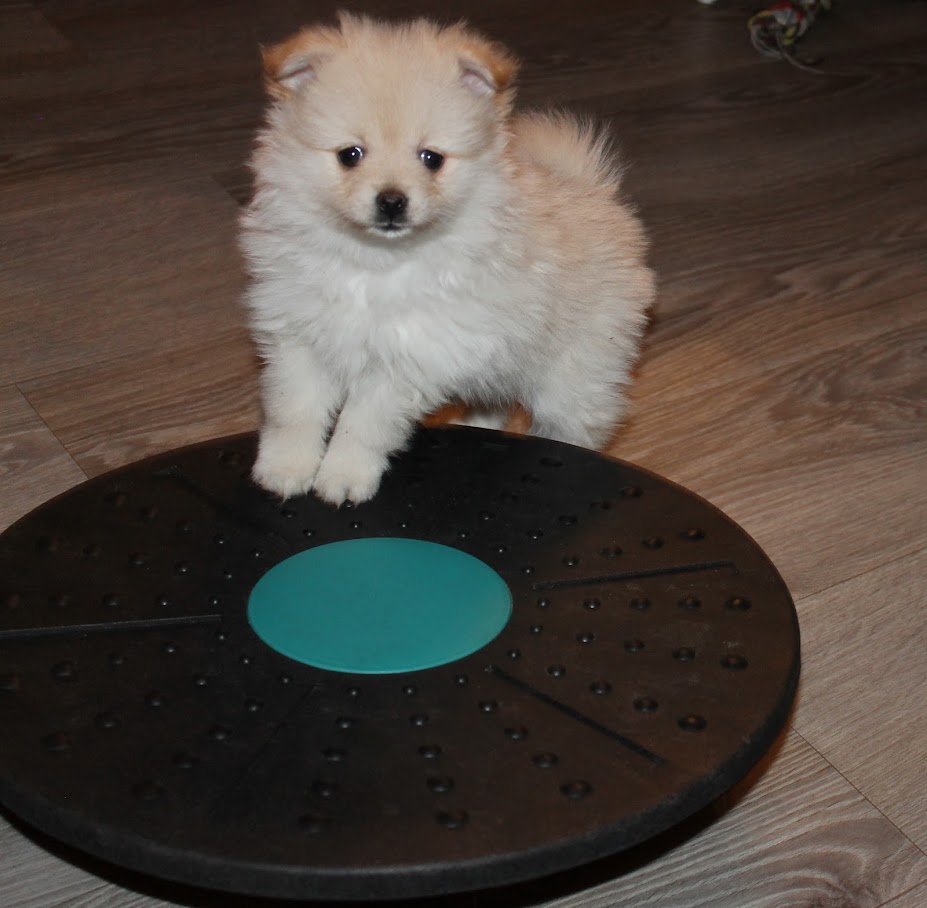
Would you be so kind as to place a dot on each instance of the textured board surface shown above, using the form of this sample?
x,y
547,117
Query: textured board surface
x,y
651,658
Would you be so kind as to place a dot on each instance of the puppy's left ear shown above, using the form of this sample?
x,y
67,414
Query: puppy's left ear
x,y
293,62
486,67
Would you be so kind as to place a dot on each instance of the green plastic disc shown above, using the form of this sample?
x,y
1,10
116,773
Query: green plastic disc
x,y
379,606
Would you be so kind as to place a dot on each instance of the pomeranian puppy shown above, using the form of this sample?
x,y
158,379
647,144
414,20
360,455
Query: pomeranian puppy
x,y
413,242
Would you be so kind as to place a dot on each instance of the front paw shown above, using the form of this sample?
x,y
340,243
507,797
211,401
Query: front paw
x,y
287,460
349,474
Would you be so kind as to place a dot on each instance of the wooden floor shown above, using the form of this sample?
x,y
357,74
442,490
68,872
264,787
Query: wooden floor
x,y
784,377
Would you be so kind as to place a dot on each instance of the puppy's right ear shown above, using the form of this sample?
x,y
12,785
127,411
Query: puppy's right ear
x,y
293,62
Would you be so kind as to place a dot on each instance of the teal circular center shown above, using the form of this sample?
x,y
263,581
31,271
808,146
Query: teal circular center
x,y
378,606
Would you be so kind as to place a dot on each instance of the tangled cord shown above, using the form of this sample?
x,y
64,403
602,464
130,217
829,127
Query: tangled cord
x,y
775,30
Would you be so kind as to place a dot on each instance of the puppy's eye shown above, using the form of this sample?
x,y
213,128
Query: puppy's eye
x,y
350,157
431,159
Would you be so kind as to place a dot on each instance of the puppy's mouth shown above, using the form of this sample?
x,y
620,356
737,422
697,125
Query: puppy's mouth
x,y
391,228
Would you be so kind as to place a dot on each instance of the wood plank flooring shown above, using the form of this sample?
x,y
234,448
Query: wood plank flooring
x,y
784,376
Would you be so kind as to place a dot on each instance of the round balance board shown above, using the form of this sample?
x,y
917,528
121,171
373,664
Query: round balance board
x,y
640,656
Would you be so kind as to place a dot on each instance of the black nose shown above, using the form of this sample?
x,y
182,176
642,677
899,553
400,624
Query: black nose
x,y
392,203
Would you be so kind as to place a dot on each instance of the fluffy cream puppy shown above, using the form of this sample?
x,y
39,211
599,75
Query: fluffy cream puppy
x,y
412,242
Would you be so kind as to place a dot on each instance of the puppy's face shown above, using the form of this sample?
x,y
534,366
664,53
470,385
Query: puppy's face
x,y
389,127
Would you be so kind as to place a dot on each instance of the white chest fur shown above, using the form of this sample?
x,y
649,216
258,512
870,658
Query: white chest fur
x,y
433,327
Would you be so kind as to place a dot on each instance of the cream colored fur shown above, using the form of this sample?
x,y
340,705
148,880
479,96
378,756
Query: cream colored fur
x,y
516,274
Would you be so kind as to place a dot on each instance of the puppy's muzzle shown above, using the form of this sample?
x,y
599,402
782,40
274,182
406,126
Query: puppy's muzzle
x,y
391,209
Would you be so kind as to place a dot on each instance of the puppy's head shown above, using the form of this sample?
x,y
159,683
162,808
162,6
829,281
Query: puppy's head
x,y
389,126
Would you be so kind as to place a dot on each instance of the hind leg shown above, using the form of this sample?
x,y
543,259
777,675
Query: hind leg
x,y
579,414
480,418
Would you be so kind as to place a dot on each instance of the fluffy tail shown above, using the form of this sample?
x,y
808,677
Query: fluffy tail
x,y
573,149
